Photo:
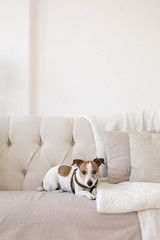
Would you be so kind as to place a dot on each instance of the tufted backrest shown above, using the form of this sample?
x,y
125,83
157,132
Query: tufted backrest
x,y
30,145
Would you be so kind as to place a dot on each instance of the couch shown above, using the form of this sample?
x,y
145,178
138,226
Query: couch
x,y
29,146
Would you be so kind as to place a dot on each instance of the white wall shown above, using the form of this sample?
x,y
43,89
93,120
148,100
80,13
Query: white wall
x,y
14,56
85,56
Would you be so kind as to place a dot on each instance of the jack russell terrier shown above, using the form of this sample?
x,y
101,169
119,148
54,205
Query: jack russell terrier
x,y
81,181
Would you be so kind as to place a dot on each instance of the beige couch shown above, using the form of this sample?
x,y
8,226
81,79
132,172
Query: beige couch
x,y
29,146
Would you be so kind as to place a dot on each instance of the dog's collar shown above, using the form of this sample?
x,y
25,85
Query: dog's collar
x,y
81,185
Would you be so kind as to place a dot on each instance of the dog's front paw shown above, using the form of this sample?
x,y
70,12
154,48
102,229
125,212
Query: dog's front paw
x,y
92,197
94,191
59,191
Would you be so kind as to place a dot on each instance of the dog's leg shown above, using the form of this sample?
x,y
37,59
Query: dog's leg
x,y
94,192
86,194
51,187
58,191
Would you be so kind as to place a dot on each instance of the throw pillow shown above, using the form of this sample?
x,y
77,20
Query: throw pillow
x,y
145,157
118,156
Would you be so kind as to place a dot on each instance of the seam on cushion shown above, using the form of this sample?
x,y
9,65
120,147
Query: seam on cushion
x,y
33,156
65,156
94,132
40,119
30,162
34,151
37,146
8,124
10,119
71,146
3,151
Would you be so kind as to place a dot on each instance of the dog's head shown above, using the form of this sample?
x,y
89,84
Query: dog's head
x,y
89,170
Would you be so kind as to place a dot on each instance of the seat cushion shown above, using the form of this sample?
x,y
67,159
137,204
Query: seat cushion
x,y
46,215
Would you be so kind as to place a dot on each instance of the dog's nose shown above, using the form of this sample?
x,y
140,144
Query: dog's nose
x,y
90,183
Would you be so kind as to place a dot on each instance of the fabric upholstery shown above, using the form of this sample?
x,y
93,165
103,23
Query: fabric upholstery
x,y
118,156
31,145
117,148
61,216
145,157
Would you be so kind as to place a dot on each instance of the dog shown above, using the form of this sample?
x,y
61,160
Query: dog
x,y
81,179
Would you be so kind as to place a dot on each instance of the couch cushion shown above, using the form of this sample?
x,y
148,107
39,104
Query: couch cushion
x,y
42,215
29,146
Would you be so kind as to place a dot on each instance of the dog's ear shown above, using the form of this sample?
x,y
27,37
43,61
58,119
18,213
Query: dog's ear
x,y
99,161
78,162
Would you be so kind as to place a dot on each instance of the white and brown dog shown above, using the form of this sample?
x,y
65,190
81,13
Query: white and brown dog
x,y
81,181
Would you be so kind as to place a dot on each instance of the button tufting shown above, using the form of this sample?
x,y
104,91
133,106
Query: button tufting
x,y
40,142
72,142
9,143
24,172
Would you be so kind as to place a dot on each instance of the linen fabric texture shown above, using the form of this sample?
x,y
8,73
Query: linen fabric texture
x,y
145,157
117,146
118,156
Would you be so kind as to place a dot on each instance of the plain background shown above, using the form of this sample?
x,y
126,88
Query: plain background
x,y
73,57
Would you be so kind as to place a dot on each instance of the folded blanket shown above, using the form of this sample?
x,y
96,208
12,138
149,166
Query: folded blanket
x,y
127,197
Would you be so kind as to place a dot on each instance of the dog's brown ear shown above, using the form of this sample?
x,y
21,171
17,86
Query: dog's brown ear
x,y
78,162
99,161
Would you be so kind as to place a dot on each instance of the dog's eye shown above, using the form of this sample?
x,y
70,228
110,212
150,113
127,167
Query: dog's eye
x,y
83,172
94,172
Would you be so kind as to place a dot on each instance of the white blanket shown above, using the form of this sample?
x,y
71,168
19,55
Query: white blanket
x,y
150,224
136,196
